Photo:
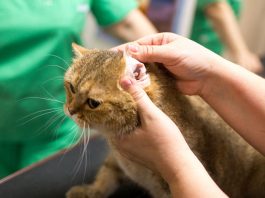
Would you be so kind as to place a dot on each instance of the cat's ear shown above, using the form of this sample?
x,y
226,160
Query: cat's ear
x,y
79,51
135,69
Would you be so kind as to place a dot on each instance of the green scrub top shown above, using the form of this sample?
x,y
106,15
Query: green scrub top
x,y
203,31
35,50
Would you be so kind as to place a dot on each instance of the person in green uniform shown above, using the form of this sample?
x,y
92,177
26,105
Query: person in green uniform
x,y
35,50
215,24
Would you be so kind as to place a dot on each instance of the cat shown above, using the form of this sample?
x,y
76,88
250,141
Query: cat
x,y
95,99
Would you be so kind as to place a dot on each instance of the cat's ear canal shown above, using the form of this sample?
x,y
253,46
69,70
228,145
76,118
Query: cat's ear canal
x,y
135,69
78,50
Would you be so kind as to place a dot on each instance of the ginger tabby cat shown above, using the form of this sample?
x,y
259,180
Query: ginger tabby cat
x,y
95,99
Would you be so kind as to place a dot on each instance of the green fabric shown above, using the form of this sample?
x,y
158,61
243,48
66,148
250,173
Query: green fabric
x,y
203,32
109,12
16,155
35,50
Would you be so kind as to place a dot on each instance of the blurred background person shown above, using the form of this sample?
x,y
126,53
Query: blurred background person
x,y
214,26
35,50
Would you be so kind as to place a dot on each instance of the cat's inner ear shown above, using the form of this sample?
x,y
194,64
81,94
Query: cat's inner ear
x,y
79,51
135,69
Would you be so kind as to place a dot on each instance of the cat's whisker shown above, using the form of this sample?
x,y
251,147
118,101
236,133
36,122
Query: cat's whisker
x,y
58,66
84,152
53,79
38,116
53,119
84,149
87,132
48,93
49,123
79,161
59,124
41,98
73,129
60,58
40,111
83,155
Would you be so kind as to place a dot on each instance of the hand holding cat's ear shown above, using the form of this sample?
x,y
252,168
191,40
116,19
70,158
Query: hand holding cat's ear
x,y
146,53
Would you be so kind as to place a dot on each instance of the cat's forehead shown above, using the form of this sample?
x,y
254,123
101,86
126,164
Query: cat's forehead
x,y
98,61
100,66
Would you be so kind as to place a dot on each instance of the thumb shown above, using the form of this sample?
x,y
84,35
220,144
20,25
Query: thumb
x,y
146,53
142,100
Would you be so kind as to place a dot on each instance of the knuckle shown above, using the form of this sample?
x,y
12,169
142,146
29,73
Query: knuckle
x,y
138,95
149,50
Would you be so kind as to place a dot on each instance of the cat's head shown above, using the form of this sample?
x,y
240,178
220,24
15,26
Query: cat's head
x,y
94,96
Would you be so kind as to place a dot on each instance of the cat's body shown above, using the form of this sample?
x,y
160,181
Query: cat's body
x,y
235,166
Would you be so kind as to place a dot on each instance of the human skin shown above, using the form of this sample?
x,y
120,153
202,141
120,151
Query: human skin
x,y
166,152
230,89
131,27
224,22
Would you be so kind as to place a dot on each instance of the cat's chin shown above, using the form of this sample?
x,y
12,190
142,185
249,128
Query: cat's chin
x,y
79,124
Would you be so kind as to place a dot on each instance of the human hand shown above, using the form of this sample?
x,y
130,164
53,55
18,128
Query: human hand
x,y
188,61
158,143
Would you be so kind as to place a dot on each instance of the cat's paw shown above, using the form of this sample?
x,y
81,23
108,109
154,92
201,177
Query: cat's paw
x,y
83,192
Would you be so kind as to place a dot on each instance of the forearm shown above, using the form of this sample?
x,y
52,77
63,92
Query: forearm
x,y
133,27
188,178
225,24
238,96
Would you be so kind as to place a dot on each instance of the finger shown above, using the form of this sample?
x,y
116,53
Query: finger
x,y
119,48
157,39
147,53
142,100
154,39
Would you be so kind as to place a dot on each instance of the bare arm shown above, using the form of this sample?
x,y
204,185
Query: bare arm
x,y
235,93
239,97
225,24
183,178
134,26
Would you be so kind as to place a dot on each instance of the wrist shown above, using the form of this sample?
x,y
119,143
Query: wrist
x,y
176,165
219,69
185,183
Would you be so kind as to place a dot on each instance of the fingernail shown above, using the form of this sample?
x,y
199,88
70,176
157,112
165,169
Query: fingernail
x,y
133,48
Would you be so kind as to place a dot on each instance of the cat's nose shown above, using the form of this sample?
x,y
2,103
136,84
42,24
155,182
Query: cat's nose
x,y
72,111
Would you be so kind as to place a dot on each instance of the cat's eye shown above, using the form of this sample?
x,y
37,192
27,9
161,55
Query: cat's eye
x,y
92,103
72,88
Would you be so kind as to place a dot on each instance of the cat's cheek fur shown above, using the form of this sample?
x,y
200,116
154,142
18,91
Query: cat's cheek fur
x,y
125,125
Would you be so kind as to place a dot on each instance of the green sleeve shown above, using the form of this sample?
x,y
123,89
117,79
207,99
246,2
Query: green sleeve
x,y
108,12
202,4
